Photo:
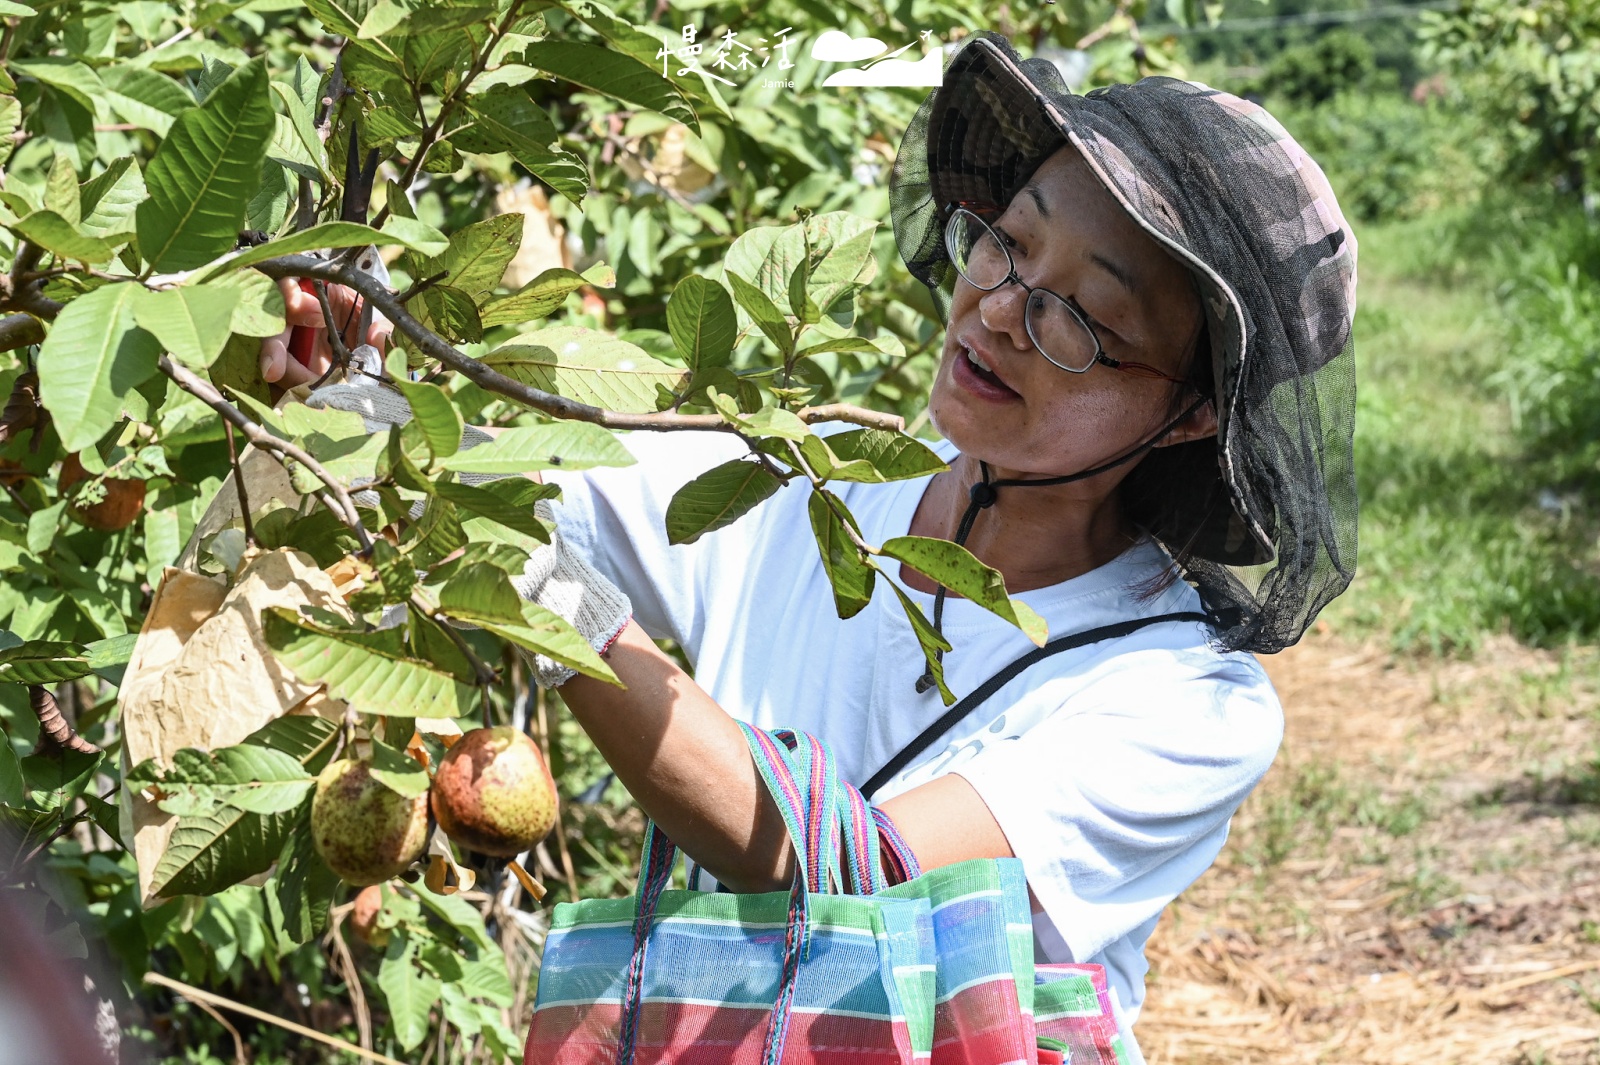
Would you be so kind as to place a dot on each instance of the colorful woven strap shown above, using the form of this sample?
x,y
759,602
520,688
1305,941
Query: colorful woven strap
x,y
655,872
812,762
773,762
903,864
861,842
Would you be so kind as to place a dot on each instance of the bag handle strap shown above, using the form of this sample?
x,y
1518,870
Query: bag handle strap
x,y
777,767
961,709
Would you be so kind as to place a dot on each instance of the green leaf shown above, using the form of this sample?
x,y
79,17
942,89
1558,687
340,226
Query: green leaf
x,y
254,779
406,232
300,115
192,322
55,780
145,98
478,255
306,738
11,7
487,503
94,356
928,638
587,365
398,772
851,578
487,979
960,571
841,256
342,17
259,312
716,498
613,74
202,177
409,992
558,445
632,39
764,313
507,120
60,237
435,415
874,456
884,344
70,78
481,592
702,321
537,299
769,257
109,658
417,235
109,199
210,853
304,885
547,633
13,789
773,422
367,670
61,190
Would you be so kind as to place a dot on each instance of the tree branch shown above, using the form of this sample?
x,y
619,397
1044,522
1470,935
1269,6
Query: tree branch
x,y
238,484
433,346
449,104
20,330
336,498
54,732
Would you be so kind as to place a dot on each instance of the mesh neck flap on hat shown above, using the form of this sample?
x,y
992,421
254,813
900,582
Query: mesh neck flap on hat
x,y
1266,517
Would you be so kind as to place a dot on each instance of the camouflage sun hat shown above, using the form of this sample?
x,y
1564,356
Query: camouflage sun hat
x,y
1262,519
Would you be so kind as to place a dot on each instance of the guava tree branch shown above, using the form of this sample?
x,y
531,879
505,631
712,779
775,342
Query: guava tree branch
x,y
334,496
20,330
435,347
430,135
54,732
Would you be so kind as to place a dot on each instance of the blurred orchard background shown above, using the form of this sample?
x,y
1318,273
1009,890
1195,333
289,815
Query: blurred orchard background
x,y
1418,879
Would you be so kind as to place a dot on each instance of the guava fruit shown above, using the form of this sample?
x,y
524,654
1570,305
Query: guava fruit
x,y
365,831
493,794
364,916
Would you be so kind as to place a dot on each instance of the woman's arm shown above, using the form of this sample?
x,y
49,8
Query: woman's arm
x,y
686,762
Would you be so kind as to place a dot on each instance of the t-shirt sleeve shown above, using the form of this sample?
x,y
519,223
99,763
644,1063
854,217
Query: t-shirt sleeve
x,y
616,518
1121,799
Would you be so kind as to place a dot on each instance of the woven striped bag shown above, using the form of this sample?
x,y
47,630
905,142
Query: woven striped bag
x,y
698,978
1072,1009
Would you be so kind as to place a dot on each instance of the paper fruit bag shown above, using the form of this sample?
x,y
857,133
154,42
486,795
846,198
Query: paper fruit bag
x,y
202,675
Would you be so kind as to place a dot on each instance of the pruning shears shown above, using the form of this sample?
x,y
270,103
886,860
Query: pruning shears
x,y
354,206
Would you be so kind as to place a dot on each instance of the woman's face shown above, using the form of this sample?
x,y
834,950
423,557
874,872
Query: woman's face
x,y
1066,233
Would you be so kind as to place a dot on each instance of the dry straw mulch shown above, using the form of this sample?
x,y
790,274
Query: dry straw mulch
x,y
1417,880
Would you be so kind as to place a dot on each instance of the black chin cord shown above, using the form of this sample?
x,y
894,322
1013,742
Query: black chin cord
x,y
985,493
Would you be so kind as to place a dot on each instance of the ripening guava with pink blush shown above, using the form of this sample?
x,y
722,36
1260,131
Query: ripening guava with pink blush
x,y
493,793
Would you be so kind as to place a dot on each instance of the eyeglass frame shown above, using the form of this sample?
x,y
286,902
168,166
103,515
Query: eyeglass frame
x,y
1133,369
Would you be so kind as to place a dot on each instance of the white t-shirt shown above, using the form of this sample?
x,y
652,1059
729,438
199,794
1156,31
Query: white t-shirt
x,y
1113,769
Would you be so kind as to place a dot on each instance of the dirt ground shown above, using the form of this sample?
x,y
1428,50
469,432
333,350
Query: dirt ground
x,y
1417,880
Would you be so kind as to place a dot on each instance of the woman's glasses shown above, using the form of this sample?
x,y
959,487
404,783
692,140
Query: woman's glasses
x,y
1058,329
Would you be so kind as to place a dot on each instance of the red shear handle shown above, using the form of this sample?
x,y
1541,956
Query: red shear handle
x,y
304,338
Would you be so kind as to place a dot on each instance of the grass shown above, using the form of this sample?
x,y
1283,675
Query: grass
x,y
1299,816
1468,527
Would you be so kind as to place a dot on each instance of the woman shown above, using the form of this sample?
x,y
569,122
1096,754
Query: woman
x,y
1146,397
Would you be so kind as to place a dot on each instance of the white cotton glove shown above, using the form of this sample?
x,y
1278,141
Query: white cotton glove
x,y
555,577
562,581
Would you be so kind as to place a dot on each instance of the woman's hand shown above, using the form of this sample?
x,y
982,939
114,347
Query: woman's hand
x,y
288,360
